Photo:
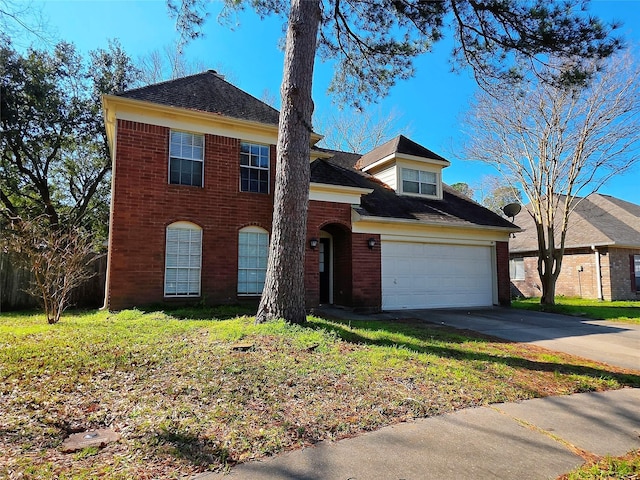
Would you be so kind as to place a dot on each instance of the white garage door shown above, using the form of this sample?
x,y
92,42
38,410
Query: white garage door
x,y
422,275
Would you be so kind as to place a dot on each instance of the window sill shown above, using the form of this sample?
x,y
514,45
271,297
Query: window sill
x,y
420,195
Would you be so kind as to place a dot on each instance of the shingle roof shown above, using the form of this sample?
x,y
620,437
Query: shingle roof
x,y
324,172
206,92
454,209
596,220
399,144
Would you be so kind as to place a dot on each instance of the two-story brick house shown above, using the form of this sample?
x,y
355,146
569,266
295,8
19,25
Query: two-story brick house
x,y
193,176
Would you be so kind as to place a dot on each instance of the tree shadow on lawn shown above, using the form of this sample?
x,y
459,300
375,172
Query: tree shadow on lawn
x,y
425,339
199,451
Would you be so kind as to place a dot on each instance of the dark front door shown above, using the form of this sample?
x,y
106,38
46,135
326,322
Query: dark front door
x,y
325,269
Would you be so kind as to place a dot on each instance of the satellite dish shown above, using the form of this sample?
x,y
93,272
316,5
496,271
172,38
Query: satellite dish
x,y
512,209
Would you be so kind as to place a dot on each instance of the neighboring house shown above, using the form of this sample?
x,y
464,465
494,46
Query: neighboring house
x,y
192,201
602,252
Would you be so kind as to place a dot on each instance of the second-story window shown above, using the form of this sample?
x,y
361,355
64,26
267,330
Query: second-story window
x,y
186,158
254,168
419,181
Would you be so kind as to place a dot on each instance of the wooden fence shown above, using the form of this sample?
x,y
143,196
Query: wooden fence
x,y
15,280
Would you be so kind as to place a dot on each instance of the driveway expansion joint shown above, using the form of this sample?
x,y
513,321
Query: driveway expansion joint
x,y
581,452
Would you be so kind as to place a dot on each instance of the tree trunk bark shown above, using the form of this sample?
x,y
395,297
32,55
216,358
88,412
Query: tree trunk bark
x,y
283,295
548,281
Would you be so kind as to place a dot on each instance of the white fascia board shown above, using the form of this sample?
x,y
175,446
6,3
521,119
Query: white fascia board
x,y
190,120
414,158
323,192
379,163
402,156
399,227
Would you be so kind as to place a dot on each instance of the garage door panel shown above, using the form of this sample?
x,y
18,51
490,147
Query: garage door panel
x,y
422,275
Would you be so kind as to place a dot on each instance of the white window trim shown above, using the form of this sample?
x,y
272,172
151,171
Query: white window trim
x,y
438,183
250,229
183,226
636,268
267,169
201,160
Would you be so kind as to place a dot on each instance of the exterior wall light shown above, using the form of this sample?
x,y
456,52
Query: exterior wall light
x,y
371,243
313,243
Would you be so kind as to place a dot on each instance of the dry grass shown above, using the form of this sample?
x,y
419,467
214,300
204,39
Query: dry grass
x,y
626,467
185,401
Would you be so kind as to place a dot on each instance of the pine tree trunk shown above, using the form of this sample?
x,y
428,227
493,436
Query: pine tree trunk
x,y
283,295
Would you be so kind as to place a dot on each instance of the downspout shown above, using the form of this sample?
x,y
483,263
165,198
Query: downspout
x,y
598,272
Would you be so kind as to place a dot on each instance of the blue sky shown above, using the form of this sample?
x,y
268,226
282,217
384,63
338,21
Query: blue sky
x,y
247,51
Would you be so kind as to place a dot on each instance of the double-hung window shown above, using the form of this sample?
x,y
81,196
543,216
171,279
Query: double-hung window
x,y
186,158
253,252
254,168
183,260
636,269
419,181
516,269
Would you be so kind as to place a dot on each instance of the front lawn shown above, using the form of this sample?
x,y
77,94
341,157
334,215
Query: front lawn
x,y
621,311
185,399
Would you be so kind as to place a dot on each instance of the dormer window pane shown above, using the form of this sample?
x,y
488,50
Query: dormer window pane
x,y
419,181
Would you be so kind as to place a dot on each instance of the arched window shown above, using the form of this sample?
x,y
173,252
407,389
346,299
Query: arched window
x,y
253,251
183,260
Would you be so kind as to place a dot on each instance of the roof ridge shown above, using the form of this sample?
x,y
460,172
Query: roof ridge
x,y
169,80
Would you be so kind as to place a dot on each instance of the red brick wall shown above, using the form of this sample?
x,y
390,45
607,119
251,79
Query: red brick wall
x,y
144,204
502,269
334,219
367,273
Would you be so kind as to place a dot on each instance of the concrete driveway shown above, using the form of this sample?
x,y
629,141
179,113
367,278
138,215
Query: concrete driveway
x,y
610,342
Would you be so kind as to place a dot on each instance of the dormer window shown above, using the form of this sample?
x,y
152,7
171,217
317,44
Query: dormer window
x,y
419,182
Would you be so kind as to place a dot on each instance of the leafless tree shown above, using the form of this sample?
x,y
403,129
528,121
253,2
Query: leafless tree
x,y
22,21
559,144
360,131
495,192
166,64
58,259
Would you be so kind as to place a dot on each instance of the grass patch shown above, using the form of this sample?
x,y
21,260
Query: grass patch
x,y
626,467
620,311
185,401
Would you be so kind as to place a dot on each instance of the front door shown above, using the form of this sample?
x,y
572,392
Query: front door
x,y
325,269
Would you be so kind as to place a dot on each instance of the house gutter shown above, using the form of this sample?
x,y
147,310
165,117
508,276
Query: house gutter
x,y
598,271
357,218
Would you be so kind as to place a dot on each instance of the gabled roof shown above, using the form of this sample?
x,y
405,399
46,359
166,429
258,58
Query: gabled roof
x,y
398,145
453,210
598,220
206,92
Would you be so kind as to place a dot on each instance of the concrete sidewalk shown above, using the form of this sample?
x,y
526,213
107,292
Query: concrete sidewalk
x,y
533,439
